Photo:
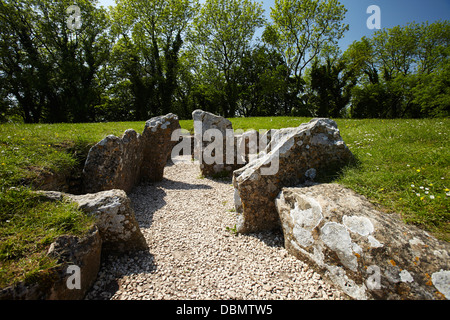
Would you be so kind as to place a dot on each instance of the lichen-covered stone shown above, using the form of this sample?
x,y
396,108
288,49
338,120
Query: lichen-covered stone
x,y
157,145
367,253
215,144
121,163
113,163
288,160
115,220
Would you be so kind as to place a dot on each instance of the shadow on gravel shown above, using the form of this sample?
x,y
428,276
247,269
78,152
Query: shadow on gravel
x,y
272,238
147,198
177,185
114,268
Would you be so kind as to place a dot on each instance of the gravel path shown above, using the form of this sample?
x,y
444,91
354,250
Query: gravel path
x,y
192,254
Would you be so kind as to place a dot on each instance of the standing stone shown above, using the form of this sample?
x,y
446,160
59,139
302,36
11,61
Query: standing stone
x,y
367,253
247,145
289,155
215,156
158,145
121,163
113,163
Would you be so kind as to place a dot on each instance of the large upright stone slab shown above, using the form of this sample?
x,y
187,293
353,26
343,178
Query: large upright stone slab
x,y
367,253
157,145
215,144
114,163
121,163
289,155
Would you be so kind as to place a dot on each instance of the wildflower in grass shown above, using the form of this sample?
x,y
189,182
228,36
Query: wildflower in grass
x,y
431,197
3,164
430,185
421,198
421,187
418,170
426,192
418,194
412,186
446,190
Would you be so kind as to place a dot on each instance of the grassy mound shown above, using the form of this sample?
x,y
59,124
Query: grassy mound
x,y
403,165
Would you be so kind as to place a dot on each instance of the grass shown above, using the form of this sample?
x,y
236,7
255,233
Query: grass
x,y
403,166
29,223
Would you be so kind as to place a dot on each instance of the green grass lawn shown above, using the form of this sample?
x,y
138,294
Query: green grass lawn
x,y
403,166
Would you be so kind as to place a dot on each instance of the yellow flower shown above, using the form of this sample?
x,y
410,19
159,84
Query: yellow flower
x,y
446,190
3,164
418,170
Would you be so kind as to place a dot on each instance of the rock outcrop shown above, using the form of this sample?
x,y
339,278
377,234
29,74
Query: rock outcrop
x,y
121,163
367,253
289,155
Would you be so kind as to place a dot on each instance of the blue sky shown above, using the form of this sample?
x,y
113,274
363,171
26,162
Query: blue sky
x,y
393,13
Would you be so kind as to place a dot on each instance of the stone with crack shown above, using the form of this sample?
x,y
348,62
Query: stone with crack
x,y
293,155
367,253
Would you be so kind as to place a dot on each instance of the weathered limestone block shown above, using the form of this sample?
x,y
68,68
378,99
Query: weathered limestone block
x,y
115,220
289,155
367,253
82,252
158,145
121,163
215,144
248,145
113,163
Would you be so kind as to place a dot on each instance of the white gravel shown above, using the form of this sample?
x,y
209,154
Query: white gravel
x,y
193,256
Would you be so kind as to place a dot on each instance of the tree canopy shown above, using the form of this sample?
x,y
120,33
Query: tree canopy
x,y
142,58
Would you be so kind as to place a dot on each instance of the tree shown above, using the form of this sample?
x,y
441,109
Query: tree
x,y
51,70
223,32
360,60
301,29
331,85
146,54
403,70
261,83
